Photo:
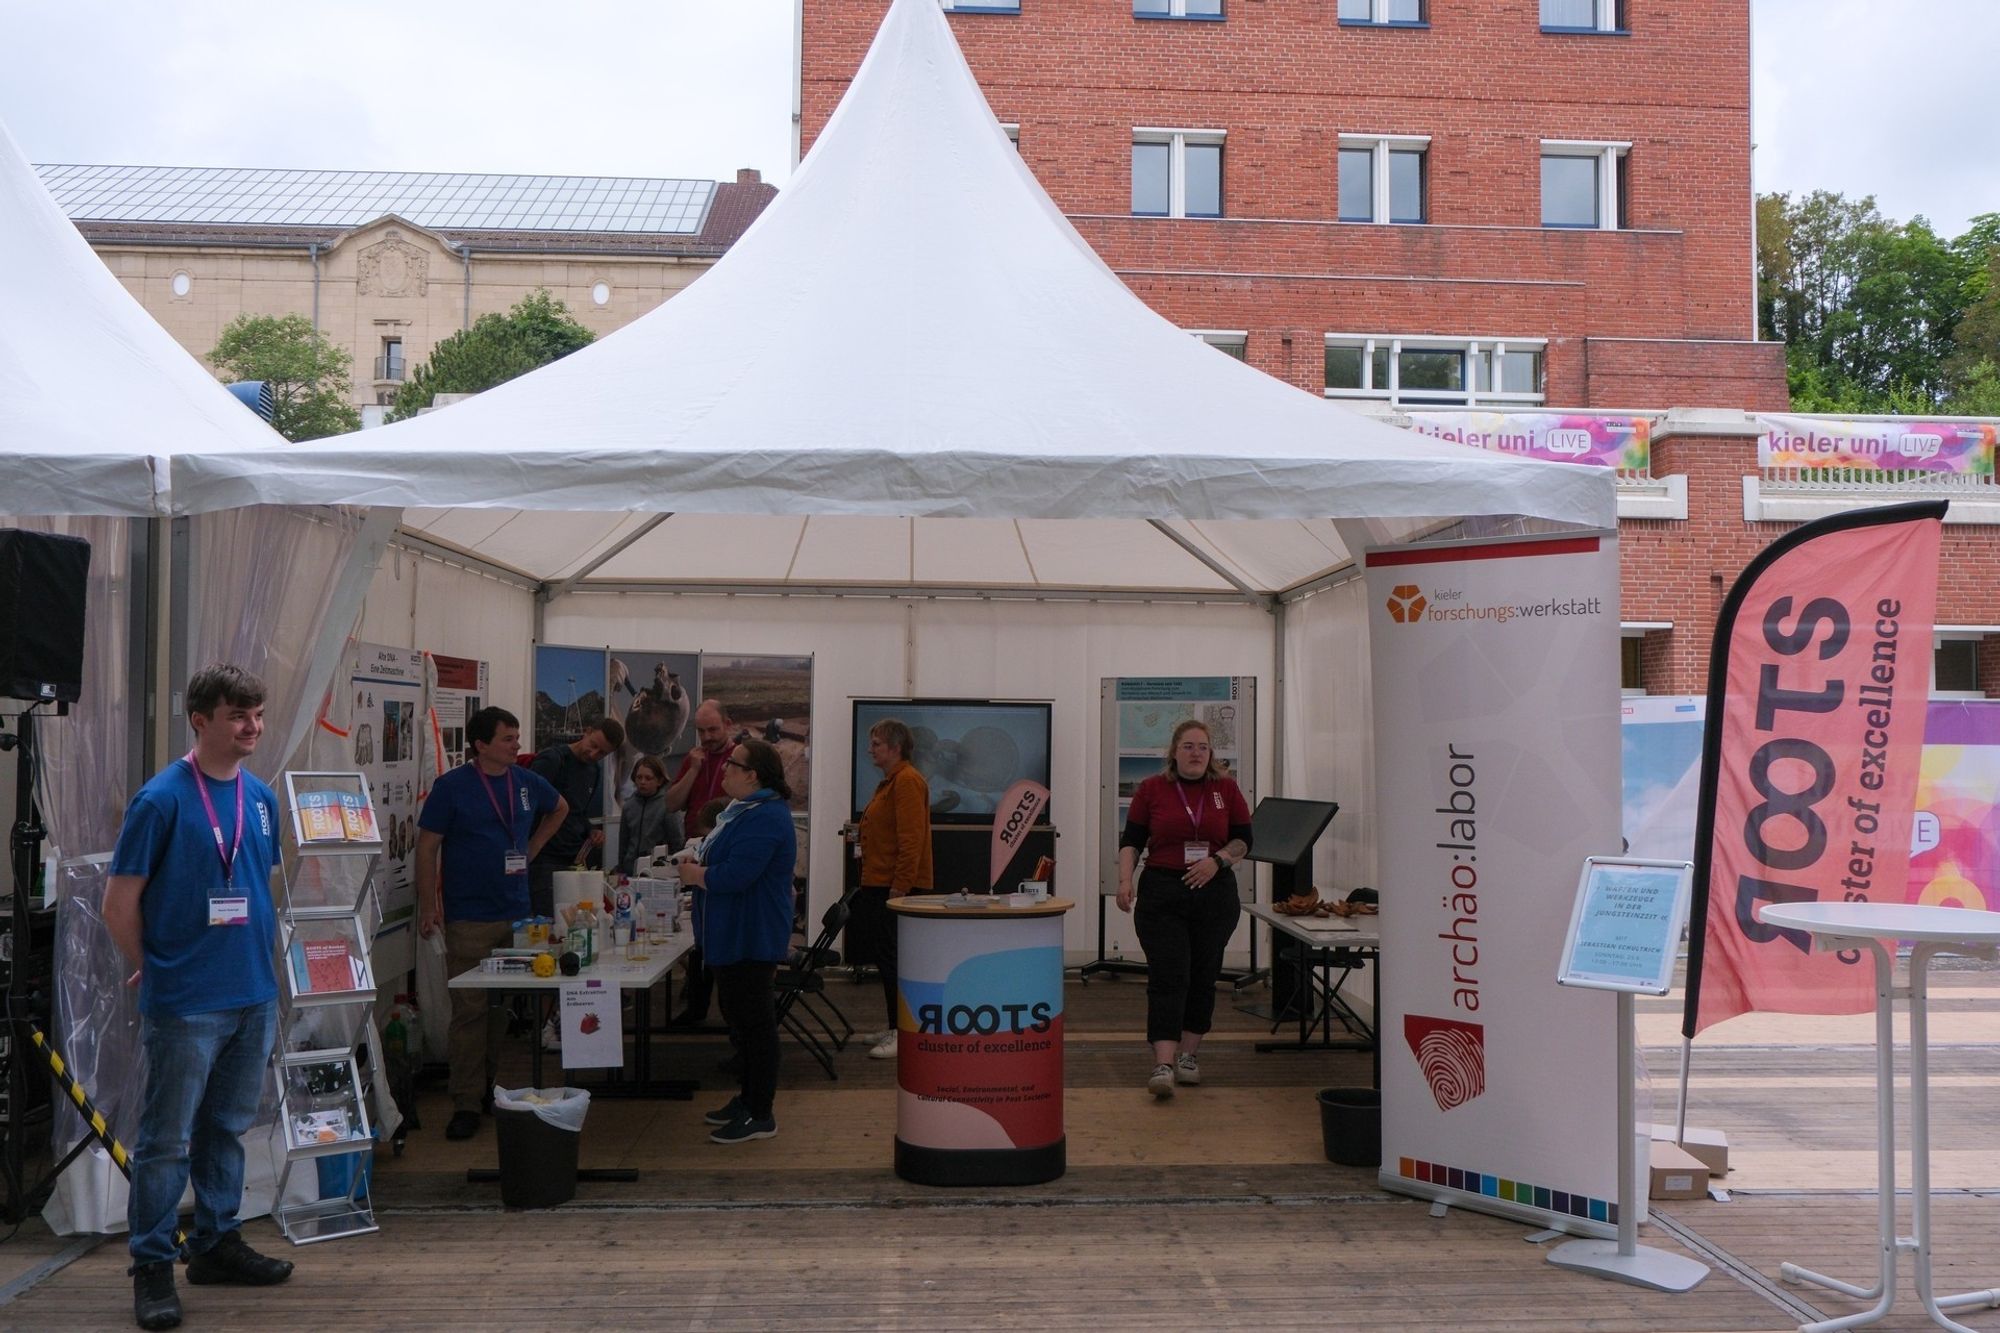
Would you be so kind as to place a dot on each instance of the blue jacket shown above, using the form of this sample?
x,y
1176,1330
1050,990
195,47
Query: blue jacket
x,y
746,912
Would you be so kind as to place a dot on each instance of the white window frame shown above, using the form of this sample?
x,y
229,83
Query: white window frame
x,y
1378,17
1177,141
1956,634
1177,9
1471,348
1609,154
1606,18
1380,146
984,6
1224,340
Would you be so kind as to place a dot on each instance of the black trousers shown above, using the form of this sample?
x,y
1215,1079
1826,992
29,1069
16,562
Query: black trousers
x,y
700,981
871,931
749,1005
1183,932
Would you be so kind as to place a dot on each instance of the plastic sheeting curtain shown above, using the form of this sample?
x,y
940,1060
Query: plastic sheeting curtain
x,y
1330,754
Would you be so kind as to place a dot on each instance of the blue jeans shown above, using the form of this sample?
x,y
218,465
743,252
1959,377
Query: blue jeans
x,y
204,1078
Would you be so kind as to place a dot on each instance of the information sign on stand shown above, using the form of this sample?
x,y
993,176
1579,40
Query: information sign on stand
x,y
1624,933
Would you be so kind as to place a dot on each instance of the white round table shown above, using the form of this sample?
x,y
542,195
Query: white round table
x,y
1931,931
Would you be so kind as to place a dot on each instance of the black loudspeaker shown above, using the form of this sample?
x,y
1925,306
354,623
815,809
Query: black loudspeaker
x,y
42,581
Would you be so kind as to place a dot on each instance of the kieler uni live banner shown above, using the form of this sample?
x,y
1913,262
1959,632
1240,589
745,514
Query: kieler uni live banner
x,y
1816,708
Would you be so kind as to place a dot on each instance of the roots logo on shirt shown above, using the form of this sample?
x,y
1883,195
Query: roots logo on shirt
x,y
264,818
1451,1054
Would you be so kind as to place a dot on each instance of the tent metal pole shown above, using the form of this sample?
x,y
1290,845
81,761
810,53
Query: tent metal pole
x,y
896,592
1213,565
449,555
548,592
1279,616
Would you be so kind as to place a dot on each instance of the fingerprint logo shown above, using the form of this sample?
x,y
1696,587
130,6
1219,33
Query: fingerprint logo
x,y
1452,1056
1406,603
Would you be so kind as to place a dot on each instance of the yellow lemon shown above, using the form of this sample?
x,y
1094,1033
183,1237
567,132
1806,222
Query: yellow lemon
x,y
545,965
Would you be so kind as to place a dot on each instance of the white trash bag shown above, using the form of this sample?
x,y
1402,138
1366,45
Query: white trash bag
x,y
562,1107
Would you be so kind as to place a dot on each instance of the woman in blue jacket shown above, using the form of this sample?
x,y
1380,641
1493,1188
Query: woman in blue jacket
x,y
744,879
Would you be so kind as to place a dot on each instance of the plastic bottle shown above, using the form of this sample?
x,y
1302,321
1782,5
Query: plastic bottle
x,y
582,934
395,1034
640,949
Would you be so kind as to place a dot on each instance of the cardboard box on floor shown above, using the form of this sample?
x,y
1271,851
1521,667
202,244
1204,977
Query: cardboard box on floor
x,y
1675,1174
1710,1145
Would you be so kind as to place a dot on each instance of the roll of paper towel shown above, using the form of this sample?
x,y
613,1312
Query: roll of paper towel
x,y
577,886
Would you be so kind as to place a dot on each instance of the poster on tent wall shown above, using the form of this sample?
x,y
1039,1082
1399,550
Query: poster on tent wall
x,y
458,689
570,686
1497,747
1955,837
769,698
1660,740
1139,717
653,695
382,704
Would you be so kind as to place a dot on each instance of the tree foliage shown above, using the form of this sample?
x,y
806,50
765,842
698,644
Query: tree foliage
x,y
308,373
1879,316
497,348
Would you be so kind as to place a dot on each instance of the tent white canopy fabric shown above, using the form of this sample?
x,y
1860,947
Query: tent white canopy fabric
x,y
911,332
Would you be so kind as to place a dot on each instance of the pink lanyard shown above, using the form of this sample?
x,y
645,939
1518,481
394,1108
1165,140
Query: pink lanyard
x,y
505,822
1180,790
215,823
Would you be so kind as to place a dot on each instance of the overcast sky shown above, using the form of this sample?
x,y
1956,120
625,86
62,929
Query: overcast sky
x,y
1850,95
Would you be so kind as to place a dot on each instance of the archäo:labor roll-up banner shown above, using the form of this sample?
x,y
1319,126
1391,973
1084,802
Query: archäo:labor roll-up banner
x,y
1496,757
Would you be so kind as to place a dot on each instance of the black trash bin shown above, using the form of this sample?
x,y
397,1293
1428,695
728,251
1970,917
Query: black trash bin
x,y
1350,1125
537,1160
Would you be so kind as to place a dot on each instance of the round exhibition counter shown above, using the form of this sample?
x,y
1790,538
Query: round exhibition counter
x,y
979,1041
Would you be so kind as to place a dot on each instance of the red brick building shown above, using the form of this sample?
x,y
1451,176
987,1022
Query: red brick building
x,y
1385,199
1505,204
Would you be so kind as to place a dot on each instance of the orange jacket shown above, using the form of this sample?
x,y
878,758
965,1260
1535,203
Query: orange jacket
x,y
896,832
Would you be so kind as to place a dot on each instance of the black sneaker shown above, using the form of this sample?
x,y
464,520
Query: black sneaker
x,y
462,1125
155,1303
722,1115
743,1129
230,1260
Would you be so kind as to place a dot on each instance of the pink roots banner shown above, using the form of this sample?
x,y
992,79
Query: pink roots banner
x,y
1019,808
1816,712
1596,439
1903,445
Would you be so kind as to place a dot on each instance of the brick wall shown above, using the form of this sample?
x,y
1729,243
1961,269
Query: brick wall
x,y
1285,80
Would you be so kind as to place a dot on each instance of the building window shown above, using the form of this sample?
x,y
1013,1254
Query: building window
x,y
1583,16
1177,173
1386,13
1583,184
600,293
984,6
182,284
1177,9
1235,342
1955,667
1631,664
1013,133
389,365
1382,178
1421,371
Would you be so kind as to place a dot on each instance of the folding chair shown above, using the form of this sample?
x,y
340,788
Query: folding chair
x,y
803,1003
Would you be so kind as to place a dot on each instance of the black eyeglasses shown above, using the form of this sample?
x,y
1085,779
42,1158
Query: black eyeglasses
x,y
731,763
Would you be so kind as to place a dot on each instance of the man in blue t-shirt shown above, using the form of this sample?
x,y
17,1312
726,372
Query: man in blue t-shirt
x,y
481,825
189,903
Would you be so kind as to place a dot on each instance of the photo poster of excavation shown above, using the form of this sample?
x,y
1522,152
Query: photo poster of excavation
x,y
770,699
569,694
458,689
653,694
1140,714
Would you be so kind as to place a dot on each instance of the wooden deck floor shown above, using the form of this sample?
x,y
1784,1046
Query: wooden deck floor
x,y
1217,1209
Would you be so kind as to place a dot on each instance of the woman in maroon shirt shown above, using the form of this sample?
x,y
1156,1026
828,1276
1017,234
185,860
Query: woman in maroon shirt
x,y
1194,826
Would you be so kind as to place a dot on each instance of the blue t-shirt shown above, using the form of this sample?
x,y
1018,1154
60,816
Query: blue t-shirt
x,y
192,967
474,882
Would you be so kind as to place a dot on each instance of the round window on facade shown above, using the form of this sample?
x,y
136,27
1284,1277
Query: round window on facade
x,y
182,284
600,292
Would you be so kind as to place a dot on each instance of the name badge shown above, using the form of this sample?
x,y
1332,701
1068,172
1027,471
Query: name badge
x,y
228,911
515,863
1194,851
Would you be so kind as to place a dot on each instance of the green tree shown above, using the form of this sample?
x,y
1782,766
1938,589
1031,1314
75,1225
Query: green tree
x,y
538,330
307,372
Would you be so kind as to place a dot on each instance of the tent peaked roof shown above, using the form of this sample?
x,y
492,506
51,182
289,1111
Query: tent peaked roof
x,y
911,329
93,393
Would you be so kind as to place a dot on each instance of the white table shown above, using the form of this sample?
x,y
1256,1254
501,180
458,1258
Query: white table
x,y
639,978
1931,931
1329,943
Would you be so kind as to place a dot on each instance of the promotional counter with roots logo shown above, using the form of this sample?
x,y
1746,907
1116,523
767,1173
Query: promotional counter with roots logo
x,y
979,1050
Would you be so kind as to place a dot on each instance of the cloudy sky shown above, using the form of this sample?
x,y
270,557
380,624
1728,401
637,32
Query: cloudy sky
x,y
1851,95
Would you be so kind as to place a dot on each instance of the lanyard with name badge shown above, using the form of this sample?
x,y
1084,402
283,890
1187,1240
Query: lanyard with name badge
x,y
1192,851
225,908
513,861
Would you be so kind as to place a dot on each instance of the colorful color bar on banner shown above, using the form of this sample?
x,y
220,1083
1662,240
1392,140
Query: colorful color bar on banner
x,y
1595,439
1512,1191
1906,445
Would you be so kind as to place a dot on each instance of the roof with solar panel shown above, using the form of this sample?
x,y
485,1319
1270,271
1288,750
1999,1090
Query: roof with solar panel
x,y
250,204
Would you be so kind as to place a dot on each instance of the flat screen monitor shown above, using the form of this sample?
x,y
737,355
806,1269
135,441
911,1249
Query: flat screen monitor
x,y
969,751
1283,831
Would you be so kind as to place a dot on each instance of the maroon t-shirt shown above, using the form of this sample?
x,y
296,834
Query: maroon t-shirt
x,y
1174,813
707,783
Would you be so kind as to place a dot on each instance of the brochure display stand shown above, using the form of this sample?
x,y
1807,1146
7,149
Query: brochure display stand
x,y
327,920
1624,931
